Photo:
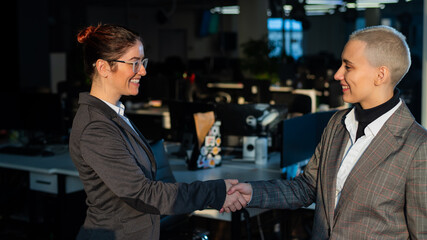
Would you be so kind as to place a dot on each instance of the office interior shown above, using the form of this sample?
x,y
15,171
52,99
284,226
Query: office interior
x,y
264,67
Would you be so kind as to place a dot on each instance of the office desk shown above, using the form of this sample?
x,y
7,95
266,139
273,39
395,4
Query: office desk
x,y
243,171
58,175
54,177
52,174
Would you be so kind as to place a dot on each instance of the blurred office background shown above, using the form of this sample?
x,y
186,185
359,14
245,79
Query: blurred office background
x,y
278,53
193,43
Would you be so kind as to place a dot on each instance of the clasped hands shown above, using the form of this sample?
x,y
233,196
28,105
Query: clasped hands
x,y
238,195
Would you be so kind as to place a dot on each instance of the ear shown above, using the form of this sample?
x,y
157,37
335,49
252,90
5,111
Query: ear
x,y
102,67
383,76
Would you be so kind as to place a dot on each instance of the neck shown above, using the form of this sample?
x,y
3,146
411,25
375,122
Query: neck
x,y
104,94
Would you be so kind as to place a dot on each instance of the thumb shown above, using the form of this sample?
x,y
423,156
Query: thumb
x,y
233,189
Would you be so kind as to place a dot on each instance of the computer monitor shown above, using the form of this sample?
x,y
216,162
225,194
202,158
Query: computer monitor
x,y
238,119
241,119
39,118
32,112
301,135
182,121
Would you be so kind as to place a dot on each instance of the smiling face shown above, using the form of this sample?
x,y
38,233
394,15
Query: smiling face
x,y
123,80
358,77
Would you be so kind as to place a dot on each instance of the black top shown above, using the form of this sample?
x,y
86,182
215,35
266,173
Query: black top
x,y
366,116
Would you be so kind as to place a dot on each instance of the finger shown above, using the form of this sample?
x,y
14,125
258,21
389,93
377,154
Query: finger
x,y
237,205
242,201
234,181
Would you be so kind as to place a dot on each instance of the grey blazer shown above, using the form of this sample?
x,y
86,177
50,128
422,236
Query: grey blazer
x,y
117,168
385,195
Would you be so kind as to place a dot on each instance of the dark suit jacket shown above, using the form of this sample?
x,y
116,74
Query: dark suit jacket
x,y
117,168
385,195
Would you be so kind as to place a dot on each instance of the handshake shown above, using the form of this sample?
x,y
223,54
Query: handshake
x,y
238,195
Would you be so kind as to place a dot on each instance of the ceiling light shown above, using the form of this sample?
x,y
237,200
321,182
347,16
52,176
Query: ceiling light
x,y
226,10
329,2
376,1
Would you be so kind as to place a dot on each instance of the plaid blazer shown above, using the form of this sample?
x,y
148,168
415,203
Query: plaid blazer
x,y
385,195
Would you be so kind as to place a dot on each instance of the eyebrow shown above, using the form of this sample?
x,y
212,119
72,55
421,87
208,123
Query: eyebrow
x,y
135,58
347,61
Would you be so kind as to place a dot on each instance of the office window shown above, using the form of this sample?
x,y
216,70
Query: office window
x,y
293,37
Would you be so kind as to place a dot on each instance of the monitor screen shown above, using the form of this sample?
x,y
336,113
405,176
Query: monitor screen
x,y
241,119
181,116
301,136
32,112
237,119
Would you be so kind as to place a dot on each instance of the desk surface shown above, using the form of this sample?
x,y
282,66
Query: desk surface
x,y
62,164
57,164
243,171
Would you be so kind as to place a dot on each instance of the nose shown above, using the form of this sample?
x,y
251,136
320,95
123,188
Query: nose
x,y
339,75
142,71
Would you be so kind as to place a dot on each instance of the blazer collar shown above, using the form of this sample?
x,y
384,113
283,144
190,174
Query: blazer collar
x,y
87,99
99,105
387,140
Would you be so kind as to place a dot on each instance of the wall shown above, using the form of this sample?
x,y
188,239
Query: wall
x,y
327,34
144,20
33,48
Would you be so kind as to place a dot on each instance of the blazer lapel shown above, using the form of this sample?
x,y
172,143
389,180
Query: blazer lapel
x,y
380,148
333,163
140,138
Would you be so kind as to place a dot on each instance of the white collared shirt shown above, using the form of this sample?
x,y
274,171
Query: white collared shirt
x,y
120,110
354,150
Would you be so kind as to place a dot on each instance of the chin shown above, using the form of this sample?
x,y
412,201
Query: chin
x,y
133,92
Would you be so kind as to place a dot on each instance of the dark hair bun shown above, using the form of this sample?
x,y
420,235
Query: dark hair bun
x,y
85,34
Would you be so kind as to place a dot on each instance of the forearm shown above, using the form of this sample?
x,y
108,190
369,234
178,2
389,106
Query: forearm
x,y
282,194
199,195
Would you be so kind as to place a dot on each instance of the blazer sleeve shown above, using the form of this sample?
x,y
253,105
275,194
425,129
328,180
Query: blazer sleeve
x,y
289,194
300,191
104,150
416,195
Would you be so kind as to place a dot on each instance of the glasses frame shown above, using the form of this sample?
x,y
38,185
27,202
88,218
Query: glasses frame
x,y
144,62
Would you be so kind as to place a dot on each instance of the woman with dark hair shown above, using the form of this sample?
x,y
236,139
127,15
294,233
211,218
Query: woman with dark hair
x,y
114,160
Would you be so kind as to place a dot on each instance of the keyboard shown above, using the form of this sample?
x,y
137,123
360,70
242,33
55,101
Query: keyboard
x,y
24,151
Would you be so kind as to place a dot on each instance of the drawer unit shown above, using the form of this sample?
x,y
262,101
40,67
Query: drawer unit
x,y
44,182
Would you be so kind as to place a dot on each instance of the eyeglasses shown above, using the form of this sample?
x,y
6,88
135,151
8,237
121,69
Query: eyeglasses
x,y
136,66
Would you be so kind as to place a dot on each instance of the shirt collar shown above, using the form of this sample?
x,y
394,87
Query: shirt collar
x,y
120,109
373,128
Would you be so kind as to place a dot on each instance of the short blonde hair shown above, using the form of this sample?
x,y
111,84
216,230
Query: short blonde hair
x,y
385,46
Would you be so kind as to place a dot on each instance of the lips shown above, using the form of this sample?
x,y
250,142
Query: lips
x,y
345,88
136,81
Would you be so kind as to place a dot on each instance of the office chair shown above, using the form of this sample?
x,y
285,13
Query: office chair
x,y
301,104
164,173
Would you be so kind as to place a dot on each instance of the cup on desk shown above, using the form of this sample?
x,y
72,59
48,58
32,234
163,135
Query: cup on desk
x,y
261,151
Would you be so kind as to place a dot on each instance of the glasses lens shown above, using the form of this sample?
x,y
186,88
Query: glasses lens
x,y
137,65
144,62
